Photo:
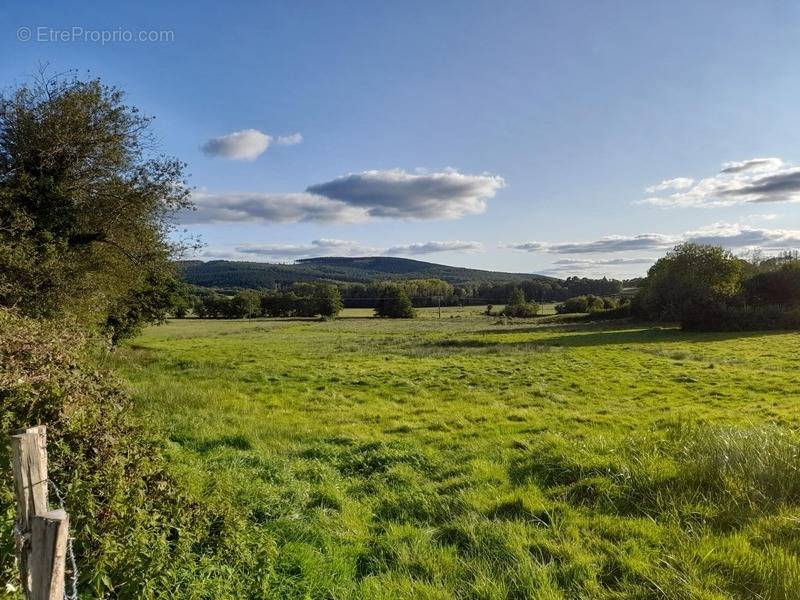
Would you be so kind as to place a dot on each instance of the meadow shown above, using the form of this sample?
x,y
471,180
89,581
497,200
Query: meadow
x,y
465,457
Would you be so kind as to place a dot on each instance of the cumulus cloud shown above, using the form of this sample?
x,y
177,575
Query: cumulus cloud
x,y
677,183
398,194
247,144
754,164
321,247
353,198
254,207
733,235
525,246
614,243
604,261
728,235
757,180
436,246
336,247
289,140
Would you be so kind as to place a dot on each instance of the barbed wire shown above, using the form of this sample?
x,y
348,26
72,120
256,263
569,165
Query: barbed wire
x,y
73,595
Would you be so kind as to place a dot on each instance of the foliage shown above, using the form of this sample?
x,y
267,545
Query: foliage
x,y
707,288
151,301
327,300
360,278
518,307
448,458
85,206
136,535
590,304
689,278
780,287
395,304
245,305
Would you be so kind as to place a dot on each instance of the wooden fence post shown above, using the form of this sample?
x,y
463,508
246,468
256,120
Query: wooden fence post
x,y
49,534
40,535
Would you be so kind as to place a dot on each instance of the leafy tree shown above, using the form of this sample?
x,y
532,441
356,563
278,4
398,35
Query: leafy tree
x,y
245,305
517,297
327,300
150,302
690,279
394,303
85,205
779,287
517,307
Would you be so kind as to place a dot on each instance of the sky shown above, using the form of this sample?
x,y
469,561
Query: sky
x,y
563,138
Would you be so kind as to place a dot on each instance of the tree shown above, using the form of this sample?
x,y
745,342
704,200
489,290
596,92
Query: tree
x,y
159,294
689,280
779,287
85,206
517,307
517,297
394,303
245,305
327,300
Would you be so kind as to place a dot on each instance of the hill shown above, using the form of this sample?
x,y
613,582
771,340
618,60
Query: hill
x,y
225,273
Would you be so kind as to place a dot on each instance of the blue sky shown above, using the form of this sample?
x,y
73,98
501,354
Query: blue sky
x,y
524,136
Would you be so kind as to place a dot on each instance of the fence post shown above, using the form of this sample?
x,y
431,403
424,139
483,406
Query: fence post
x,y
40,535
49,534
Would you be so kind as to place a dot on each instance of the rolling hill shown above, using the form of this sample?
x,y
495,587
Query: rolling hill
x,y
224,273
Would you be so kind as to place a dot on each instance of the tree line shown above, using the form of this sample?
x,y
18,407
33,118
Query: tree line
x,y
301,300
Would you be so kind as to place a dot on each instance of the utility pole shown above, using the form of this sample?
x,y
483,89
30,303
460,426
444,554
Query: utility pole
x,y
439,298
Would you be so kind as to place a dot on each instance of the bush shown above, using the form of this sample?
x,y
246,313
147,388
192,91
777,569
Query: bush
x,y
524,311
578,304
131,526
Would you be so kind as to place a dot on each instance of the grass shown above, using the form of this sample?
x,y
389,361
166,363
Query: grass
x,y
465,458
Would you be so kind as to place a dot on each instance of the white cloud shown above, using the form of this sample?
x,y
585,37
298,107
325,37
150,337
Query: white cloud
x,y
335,247
255,207
436,246
289,140
614,243
602,262
678,183
757,180
754,164
353,198
321,247
398,194
247,144
728,235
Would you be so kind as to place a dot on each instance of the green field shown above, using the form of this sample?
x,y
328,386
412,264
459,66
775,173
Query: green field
x,y
466,458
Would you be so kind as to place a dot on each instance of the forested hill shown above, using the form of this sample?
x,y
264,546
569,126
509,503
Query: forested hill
x,y
224,273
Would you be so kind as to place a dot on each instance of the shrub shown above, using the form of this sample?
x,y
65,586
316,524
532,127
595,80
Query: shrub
x,y
578,304
131,525
524,311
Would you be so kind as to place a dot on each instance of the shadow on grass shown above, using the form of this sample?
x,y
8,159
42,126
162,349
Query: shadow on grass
x,y
602,336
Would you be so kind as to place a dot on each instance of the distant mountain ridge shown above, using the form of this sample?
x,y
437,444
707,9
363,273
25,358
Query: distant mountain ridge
x,y
241,274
